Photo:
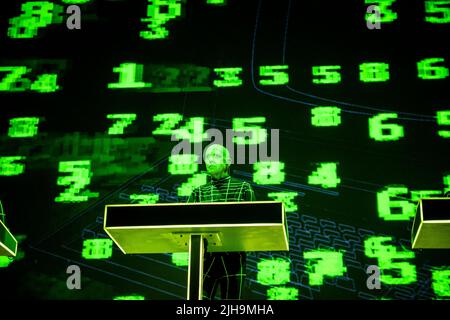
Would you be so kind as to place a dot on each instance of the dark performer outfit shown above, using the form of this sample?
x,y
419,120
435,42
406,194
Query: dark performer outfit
x,y
224,268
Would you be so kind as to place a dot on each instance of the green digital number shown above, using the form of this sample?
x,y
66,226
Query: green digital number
x,y
79,178
26,127
45,83
437,11
229,77
326,116
14,81
278,77
443,119
169,122
268,172
159,12
36,14
287,198
97,249
394,210
326,74
325,175
254,134
323,263
380,131
374,72
123,121
8,167
130,76
428,71
273,271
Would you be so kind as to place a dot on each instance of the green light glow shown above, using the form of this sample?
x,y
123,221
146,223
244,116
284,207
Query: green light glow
x,y
386,13
427,71
159,12
273,271
441,282
35,15
439,10
416,195
169,122
216,2
443,119
75,1
180,259
193,182
277,77
123,121
394,210
9,168
45,83
380,131
23,127
145,198
80,178
5,261
183,164
255,134
326,74
405,272
13,81
325,175
268,172
374,72
97,249
130,297
229,77
446,183
130,76
282,293
326,116
287,198
323,263
192,130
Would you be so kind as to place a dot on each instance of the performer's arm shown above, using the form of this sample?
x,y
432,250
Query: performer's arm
x,y
249,194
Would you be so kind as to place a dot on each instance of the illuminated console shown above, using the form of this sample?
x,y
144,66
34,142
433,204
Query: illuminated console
x,y
182,227
431,227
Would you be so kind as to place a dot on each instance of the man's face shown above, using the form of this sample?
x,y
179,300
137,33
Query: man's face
x,y
216,163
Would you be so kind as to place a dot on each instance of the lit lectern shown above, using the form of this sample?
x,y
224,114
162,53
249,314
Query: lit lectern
x,y
8,244
182,227
431,226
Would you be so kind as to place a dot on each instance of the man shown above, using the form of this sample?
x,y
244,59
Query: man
x,y
224,268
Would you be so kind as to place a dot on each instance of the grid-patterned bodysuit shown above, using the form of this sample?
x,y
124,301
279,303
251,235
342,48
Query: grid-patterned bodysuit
x,y
227,268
